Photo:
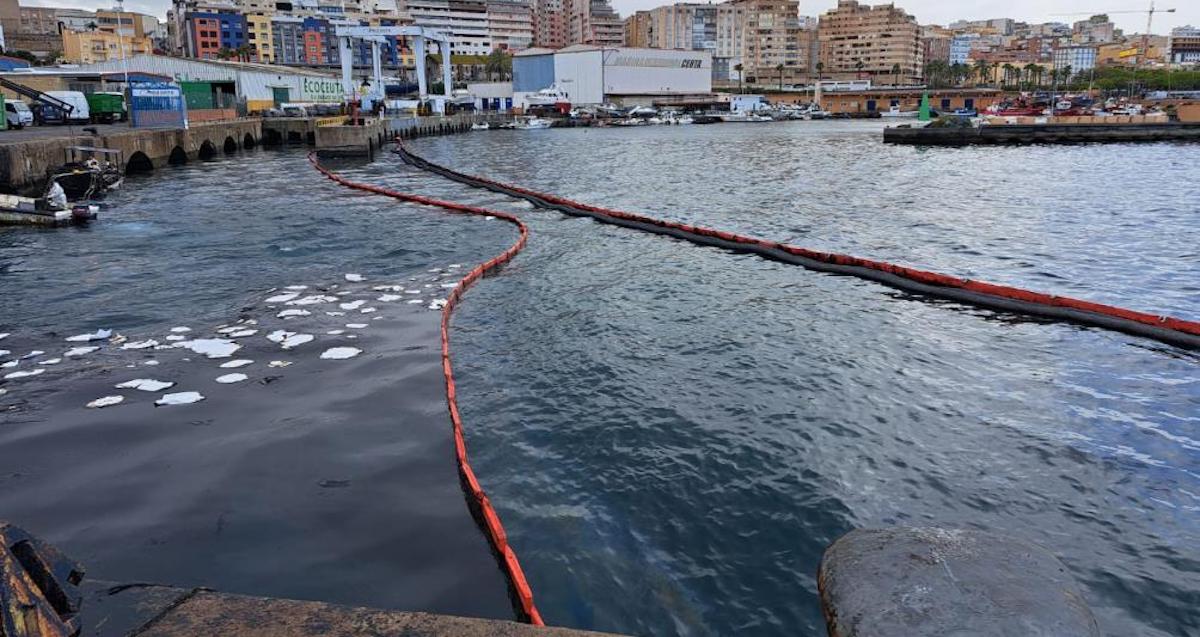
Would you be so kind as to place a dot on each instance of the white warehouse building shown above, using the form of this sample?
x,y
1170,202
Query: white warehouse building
x,y
596,75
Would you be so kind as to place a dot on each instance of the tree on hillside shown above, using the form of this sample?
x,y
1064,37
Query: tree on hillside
x,y
498,64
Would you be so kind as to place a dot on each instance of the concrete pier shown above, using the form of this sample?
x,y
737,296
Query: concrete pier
x,y
1042,134
113,610
24,162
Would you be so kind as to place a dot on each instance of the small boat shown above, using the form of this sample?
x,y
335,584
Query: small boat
x,y
896,112
531,122
962,112
551,96
89,173
50,210
480,126
746,118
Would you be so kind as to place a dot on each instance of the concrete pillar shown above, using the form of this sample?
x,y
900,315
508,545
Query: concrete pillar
x,y
377,69
347,55
419,50
447,82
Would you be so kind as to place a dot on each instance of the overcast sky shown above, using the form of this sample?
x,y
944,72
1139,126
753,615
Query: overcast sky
x,y
926,11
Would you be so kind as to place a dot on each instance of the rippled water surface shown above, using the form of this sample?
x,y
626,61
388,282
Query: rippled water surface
x,y
673,434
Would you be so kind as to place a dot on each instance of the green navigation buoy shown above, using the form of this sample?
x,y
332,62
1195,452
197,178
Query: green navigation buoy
x,y
923,115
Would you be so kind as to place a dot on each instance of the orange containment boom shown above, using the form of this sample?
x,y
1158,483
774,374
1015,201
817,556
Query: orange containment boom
x,y
479,503
1174,331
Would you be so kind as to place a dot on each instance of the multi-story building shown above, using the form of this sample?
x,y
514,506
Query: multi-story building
x,y
90,47
550,23
773,35
510,24
960,47
1077,57
594,22
465,21
935,44
1095,29
638,29
260,36
1184,45
859,40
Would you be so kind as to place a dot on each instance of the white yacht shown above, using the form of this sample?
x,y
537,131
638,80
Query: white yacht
x,y
896,112
531,122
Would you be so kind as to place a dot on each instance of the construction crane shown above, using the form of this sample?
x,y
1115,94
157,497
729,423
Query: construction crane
x,y
1149,20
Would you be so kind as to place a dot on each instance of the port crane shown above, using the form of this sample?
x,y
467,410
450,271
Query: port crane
x,y
419,36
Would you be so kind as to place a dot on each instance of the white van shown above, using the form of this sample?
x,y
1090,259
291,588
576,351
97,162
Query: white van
x,y
81,114
17,114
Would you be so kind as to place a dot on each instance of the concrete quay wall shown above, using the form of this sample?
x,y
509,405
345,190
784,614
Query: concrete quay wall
x,y
24,164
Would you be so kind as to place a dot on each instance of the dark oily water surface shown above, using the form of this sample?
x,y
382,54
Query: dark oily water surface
x,y
328,479
673,434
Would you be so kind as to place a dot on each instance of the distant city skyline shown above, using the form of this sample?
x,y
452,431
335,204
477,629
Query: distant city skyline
x,y
926,11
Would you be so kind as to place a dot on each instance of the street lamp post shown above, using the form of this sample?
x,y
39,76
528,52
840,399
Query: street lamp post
x,y
124,59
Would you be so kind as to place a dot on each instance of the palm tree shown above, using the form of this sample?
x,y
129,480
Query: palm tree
x,y
1029,69
1008,70
858,67
498,63
779,67
981,69
895,74
1038,70
820,70
738,68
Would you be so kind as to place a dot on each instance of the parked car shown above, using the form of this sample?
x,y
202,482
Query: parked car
x,y
106,107
80,113
17,114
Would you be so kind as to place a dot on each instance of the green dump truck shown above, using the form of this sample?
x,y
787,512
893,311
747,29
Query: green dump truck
x,y
107,108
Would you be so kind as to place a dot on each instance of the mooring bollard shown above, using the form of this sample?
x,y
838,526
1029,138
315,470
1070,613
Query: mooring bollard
x,y
908,582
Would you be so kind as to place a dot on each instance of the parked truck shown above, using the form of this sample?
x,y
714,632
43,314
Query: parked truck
x,y
106,108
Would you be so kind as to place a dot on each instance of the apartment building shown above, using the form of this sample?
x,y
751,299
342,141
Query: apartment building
x,y
935,44
594,22
510,24
774,35
858,40
90,47
550,23
1184,45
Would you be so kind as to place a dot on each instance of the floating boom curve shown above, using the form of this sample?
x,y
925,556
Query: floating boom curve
x,y
480,504
1174,331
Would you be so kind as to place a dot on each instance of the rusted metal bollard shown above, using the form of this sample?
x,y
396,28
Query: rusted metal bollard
x,y
39,595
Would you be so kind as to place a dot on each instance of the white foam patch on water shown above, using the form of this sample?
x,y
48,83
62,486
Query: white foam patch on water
x,y
296,339
315,299
94,336
4,352
355,278
175,337
296,287
367,310
455,265
146,384
415,301
388,298
388,288
15,375
4,335
449,285
80,351
278,335
356,326
231,378
352,305
180,329
211,347
434,271
180,398
437,304
146,344
226,329
489,218
340,353
412,291
291,313
50,361
234,364
249,322
106,401
336,313
241,333
282,298
351,336
10,364
335,332
36,352
279,363
150,362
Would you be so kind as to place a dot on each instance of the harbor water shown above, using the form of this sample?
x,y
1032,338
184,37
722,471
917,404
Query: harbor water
x,y
672,434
